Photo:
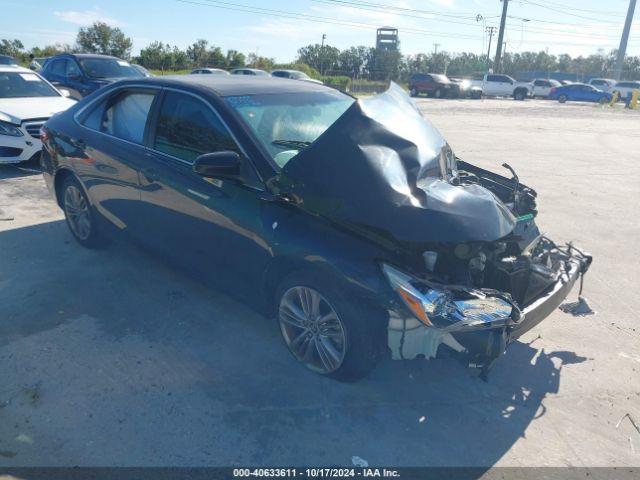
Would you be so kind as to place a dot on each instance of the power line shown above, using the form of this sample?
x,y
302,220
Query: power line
x,y
569,7
333,21
564,12
356,6
315,18
378,7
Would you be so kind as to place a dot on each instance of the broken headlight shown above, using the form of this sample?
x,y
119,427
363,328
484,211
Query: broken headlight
x,y
441,307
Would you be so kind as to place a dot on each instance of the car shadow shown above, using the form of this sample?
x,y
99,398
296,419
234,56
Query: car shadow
x,y
23,169
173,373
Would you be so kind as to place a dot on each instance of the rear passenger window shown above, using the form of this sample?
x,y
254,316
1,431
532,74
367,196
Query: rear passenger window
x,y
123,115
187,128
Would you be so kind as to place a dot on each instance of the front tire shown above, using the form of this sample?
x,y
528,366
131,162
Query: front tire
x,y
326,333
562,98
413,92
79,215
519,95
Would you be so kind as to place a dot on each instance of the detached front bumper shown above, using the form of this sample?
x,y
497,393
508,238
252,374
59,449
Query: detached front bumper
x,y
481,345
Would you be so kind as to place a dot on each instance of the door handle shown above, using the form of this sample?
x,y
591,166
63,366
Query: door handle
x,y
151,174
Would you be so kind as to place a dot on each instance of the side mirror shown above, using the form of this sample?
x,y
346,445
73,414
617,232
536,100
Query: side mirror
x,y
221,165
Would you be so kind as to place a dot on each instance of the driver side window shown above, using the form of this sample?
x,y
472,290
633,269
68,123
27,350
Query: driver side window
x,y
188,128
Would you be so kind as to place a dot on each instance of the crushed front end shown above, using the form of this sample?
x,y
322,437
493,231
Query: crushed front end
x,y
475,298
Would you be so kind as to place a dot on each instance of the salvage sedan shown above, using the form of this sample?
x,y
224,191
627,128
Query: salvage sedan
x,y
351,222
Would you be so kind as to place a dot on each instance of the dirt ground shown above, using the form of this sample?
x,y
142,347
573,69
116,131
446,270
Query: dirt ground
x,y
113,358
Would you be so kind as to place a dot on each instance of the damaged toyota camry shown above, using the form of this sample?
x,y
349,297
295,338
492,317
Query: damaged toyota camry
x,y
351,222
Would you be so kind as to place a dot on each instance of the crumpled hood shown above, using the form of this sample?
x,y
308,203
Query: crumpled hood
x,y
16,110
378,167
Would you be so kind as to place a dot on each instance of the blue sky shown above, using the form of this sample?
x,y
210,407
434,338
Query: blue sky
x,y
277,28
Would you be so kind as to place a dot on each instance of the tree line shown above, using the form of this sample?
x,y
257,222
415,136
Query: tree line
x,y
357,62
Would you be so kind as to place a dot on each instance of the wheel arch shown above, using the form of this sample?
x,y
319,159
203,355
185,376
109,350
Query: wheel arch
x,y
281,267
61,175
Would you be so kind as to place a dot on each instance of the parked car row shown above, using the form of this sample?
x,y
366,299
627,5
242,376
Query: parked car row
x,y
280,73
599,90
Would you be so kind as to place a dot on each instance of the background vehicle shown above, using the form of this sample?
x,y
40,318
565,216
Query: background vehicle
x,y
83,73
294,75
603,84
217,172
7,60
466,89
625,88
209,71
494,85
26,101
143,71
542,86
249,71
580,92
433,85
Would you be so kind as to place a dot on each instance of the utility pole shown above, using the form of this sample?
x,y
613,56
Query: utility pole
x,y
617,72
503,20
435,48
490,31
324,36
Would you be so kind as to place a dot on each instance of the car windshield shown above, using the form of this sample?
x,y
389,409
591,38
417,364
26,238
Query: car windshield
x,y
286,123
18,84
108,68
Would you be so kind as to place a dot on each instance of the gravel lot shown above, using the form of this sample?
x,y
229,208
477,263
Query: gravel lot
x,y
114,358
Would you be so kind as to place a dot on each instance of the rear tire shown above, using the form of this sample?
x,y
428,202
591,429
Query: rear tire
x,y
413,92
353,336
519,95
437,93
79,214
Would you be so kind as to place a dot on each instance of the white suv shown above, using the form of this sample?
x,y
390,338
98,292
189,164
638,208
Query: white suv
x,y
27,100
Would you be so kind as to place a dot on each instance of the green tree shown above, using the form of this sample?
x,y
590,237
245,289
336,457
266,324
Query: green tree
x,y
14,48
235,59
104,39
256,61
352,61
197,52
324,59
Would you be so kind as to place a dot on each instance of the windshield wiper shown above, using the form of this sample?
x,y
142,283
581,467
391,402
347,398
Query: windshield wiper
x,y
298,144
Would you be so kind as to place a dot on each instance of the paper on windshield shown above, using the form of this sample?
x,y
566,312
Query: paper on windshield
x,y
30,77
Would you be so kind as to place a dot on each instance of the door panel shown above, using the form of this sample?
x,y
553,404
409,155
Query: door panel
x,y
114,132
211,226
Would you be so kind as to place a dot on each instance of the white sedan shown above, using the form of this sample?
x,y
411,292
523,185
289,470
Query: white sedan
x,y
27,100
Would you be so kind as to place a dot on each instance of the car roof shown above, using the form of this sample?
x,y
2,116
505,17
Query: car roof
x,y
226,85
250,69
84,55
14,68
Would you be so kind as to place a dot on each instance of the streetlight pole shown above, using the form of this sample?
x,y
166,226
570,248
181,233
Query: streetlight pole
x,y
503,21
617,72
324,36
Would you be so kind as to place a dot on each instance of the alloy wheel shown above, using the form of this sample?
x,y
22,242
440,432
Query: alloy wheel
x,y
77,212
312,329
